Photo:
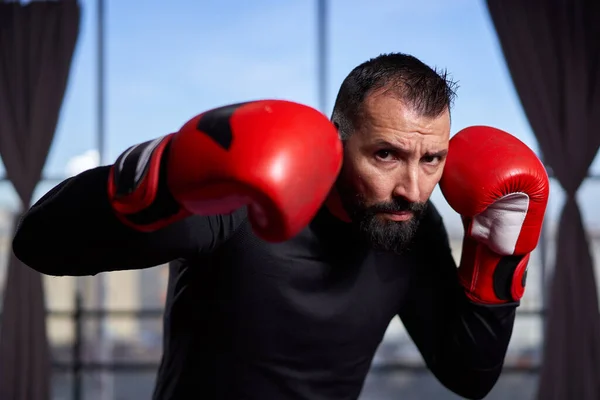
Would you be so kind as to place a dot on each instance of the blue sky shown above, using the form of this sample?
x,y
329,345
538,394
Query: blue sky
x,y
168,62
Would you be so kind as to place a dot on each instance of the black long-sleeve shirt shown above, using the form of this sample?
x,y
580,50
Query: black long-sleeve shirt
x,y
248,319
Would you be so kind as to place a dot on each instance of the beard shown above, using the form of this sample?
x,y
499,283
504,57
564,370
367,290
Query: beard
x,y
381,233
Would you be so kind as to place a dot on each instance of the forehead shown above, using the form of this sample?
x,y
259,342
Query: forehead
x,y
384,116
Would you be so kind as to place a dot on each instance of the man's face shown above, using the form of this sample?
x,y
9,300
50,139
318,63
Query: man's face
x,y
392,163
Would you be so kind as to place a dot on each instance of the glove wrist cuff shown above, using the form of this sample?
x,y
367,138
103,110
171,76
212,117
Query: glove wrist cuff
x,y
138,190
489,278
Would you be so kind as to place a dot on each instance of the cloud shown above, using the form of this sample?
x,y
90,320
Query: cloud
x,y
82,162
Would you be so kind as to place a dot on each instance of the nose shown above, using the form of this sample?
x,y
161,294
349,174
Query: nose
x,y
408,183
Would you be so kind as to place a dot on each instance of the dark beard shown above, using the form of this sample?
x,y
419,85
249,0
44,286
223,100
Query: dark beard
x,y
381,233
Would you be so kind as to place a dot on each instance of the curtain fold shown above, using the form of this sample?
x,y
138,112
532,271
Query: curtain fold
x,y
37,42
552,50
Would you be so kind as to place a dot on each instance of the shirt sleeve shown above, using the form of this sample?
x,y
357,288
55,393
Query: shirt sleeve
x,y
462,343
72,230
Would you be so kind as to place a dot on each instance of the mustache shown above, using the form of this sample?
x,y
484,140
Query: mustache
x,y
398,205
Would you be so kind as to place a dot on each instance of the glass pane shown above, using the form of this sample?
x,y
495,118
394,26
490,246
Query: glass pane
x,y
469,51
119,385
126,290
555,204
158,79
9,203
62,386
60,292
61,334
409,385
44,186
76,130
131,338
595,168
8,207
523,351
526,345
587,198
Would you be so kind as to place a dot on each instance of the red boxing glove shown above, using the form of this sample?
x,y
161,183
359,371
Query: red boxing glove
x,y
278,157
500,188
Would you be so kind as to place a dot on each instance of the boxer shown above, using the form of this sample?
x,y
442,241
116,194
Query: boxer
x,y
293,240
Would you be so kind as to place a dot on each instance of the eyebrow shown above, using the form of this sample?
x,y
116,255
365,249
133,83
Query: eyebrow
x,y
441,153
385,143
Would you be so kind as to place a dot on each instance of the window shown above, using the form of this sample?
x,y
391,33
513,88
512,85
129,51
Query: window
x,y
173,61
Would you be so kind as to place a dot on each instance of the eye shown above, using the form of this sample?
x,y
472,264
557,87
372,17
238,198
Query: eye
x,y
384,155
432,159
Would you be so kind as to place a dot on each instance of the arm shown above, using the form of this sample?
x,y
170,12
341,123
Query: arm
x,y
462,318
73,230
462,343
143,210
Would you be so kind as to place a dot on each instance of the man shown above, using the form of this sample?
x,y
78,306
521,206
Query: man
x,y
287,265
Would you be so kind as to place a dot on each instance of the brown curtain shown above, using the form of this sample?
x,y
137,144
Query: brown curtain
x,y
552,49
37,41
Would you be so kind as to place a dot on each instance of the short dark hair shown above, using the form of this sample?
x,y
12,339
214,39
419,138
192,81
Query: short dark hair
x,y
429,91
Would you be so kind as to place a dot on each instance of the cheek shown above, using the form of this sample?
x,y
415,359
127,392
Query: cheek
x,y
370,183
428,183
